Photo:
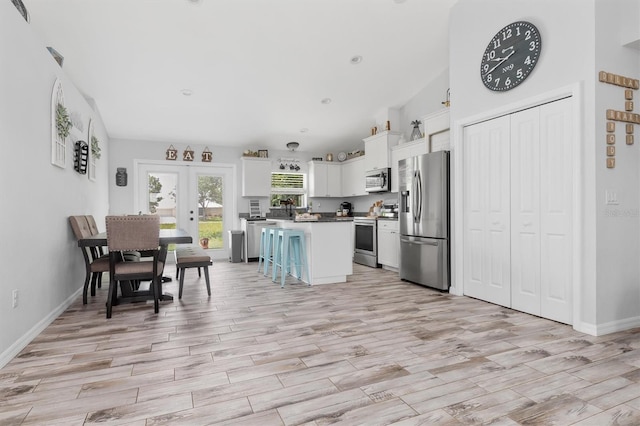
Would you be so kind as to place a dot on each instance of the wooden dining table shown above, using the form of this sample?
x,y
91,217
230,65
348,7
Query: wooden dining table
x,y
128,291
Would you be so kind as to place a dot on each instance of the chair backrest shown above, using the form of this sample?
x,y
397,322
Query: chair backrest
x,y
80,227
126,233
93,226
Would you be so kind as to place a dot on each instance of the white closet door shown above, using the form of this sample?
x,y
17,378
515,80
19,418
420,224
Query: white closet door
x,y
556,211
486,211
525,211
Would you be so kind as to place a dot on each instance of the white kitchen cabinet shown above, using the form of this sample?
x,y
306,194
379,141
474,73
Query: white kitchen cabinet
x,y
325,179
388,244
256,177
402,151
377,149
353,177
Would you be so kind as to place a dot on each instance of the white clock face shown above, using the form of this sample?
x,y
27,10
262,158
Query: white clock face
x,y
510,56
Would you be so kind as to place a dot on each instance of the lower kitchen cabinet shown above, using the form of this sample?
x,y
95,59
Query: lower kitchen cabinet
x,y
388,244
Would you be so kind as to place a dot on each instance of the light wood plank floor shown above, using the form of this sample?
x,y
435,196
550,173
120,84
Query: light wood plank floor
x,y
373,351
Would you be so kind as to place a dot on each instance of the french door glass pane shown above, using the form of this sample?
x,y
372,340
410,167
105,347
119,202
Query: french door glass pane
x,y
162,198
210,211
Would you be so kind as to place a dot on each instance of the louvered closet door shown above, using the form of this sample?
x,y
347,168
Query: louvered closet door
x,y
525,211
556,211
486,211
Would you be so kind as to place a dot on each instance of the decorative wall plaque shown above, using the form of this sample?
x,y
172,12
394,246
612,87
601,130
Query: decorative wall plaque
x,y
187,155
207,155
172,153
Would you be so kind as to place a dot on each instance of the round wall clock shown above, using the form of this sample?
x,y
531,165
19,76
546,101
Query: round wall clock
x,y
510,56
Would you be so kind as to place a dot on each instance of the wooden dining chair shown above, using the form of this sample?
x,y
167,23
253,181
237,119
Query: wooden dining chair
x,y
133,233
94,264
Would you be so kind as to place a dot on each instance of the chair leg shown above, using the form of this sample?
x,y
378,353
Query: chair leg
x,y
156,290
112,286
94,283
85,288
199,273
206,278
183,270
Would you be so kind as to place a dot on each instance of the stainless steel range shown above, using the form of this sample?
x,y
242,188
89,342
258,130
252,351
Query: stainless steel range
x,y
366,241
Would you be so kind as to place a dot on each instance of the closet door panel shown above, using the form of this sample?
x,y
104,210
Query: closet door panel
x,y
556,211
525,211
486,211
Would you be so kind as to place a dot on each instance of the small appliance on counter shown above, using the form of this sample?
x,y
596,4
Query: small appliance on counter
x,y
346,208
389,210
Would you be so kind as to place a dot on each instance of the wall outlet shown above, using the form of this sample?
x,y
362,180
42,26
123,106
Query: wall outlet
x,y
15,299
611,197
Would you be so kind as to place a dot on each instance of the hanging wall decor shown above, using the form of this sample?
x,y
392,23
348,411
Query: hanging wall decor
x,y
94,151
187,155
81,157
172,153
207,155
60,126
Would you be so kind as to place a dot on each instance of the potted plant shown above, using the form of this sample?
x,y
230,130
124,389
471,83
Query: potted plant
x,y
95,147
63,122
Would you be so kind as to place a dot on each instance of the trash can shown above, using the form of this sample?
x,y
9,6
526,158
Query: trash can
x,y
235,246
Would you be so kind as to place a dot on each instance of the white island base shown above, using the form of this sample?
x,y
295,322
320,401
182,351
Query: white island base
x,y
329,250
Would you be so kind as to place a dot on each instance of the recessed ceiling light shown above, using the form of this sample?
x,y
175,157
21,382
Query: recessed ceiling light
x,y
187,92
326,101
304,130
355,60
399,1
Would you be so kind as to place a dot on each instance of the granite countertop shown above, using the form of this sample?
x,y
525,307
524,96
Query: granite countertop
x,y
323,219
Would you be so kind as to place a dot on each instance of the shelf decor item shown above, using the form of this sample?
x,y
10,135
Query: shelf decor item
x,y
416,133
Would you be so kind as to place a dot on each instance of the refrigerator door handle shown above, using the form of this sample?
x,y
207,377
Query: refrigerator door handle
x,y
420,242
418,196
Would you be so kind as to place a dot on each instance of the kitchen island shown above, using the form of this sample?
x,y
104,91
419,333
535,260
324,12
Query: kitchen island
x,y
329,248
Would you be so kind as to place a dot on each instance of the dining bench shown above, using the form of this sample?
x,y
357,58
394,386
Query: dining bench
x,y
192,257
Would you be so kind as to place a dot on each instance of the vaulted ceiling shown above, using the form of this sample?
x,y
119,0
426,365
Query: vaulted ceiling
x,y
247,73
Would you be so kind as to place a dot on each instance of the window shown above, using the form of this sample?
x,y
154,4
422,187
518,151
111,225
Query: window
x,y
285,186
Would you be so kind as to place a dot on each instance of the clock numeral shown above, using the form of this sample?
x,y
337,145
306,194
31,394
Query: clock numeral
x,y
527,61
507,82
506,34
532,46
518,31
497,81
519,73
527,34
491,55
485,67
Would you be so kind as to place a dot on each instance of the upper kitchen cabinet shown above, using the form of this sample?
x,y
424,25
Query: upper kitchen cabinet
x,y
377,149
325,179
436,131
256,177
353,172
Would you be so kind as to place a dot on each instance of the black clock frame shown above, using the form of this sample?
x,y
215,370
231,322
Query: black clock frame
x,y
510,56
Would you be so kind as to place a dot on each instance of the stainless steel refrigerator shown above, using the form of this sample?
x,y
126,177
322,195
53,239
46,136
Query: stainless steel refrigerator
x,y
424,219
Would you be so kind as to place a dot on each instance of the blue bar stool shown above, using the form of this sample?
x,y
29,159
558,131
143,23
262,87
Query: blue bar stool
x,y
270,240
289,246
266,242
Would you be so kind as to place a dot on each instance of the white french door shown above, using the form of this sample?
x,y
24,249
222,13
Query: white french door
x,y
197,198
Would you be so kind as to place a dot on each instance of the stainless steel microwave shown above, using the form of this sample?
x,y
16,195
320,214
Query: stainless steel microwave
x,y
378,180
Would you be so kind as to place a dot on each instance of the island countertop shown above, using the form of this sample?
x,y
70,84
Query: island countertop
x,y
329,248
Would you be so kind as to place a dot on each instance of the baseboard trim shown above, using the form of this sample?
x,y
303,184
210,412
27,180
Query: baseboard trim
x,y
609,327
23,341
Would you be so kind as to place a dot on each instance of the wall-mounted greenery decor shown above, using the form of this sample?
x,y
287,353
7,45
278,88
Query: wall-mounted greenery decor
x,y
95,147
63,122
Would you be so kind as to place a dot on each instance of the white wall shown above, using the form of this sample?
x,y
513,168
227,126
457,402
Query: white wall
x,y
579,38
618,226
40,258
